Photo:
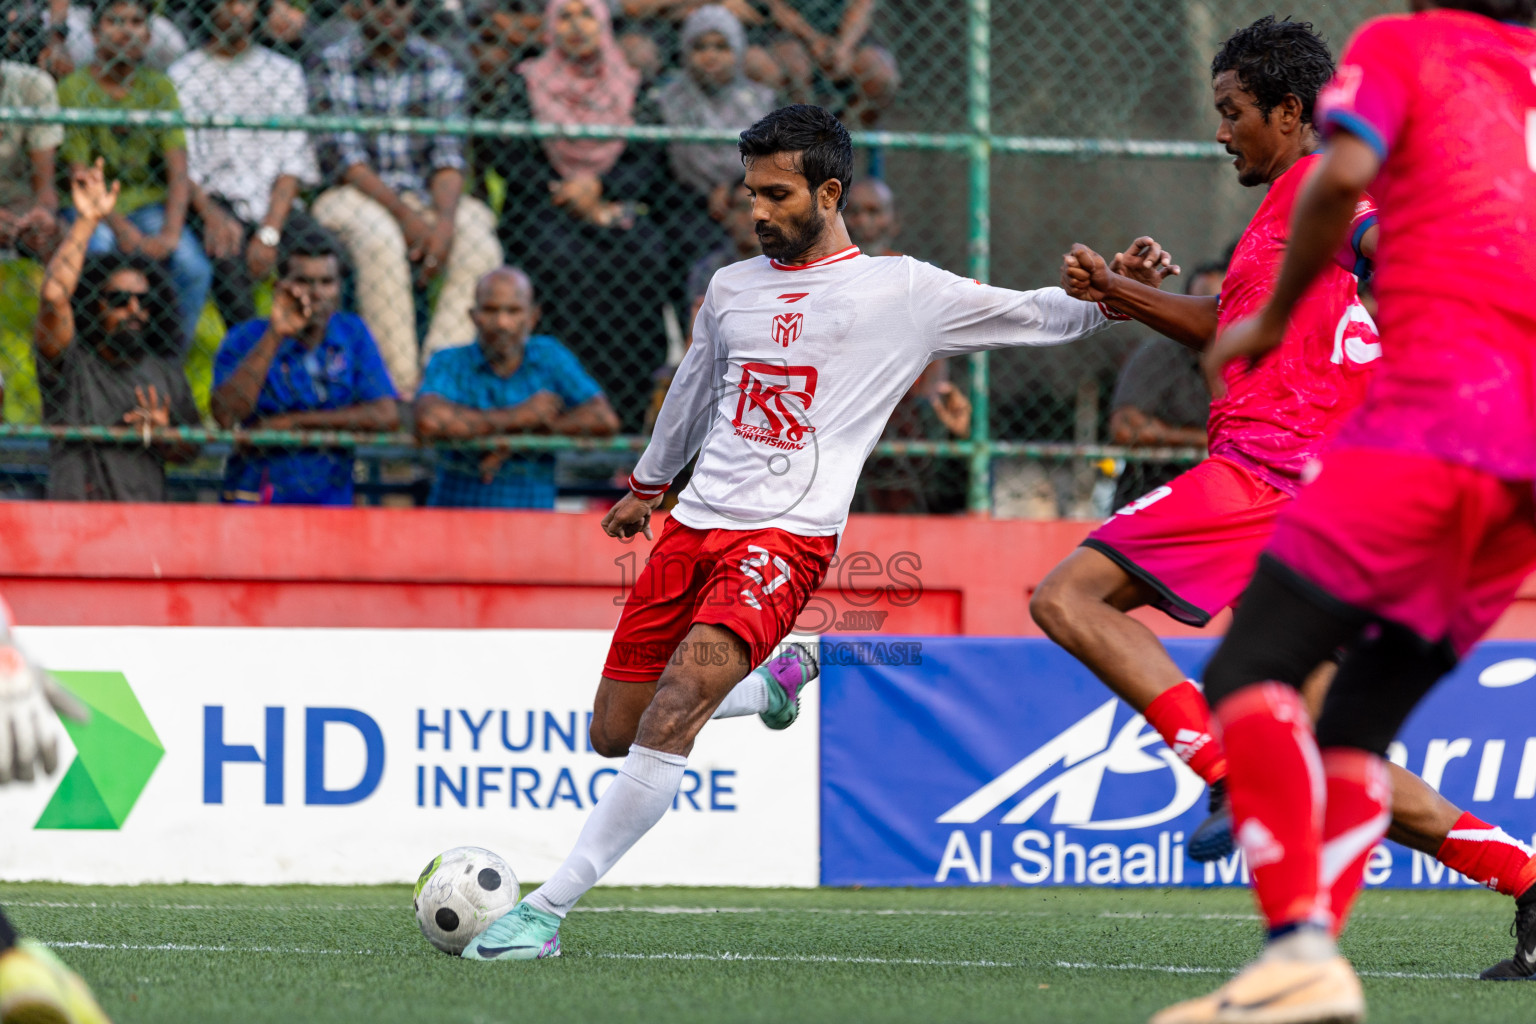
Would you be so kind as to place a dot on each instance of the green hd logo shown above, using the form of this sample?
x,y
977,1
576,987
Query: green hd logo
x,y
116,753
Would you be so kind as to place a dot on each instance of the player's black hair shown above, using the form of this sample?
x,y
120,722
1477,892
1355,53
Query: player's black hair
x,y
1275,59
163,336
1522,11
101,8
306,243
826,151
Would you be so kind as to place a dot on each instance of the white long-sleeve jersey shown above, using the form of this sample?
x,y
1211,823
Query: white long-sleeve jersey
x,y
794,371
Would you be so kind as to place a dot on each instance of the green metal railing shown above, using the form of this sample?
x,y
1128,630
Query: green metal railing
x,y
977,144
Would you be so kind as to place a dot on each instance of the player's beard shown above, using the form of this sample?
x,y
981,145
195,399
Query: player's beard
x,y
795,238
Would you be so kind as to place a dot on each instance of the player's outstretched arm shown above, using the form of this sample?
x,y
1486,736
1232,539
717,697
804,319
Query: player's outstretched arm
x,y
685,417
1188,319
1325,207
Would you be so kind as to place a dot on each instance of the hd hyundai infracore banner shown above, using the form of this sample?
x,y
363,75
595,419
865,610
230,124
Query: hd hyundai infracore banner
x,y
356,755
1005,762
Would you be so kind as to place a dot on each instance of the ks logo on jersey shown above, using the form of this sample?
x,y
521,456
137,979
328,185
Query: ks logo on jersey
x,y
779,396
787,327
1088,751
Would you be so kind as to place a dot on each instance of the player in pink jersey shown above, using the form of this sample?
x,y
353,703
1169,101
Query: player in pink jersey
x,y
1190,547
1433,112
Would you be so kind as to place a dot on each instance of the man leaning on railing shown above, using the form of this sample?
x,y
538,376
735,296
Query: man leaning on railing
x,y
103,325
510,381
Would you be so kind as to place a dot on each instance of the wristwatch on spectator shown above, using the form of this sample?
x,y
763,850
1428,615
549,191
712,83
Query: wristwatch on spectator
x,y
268,236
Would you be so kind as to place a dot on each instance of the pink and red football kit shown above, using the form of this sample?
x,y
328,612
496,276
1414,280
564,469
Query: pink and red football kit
x,y
1196,541
1422,514
1423,511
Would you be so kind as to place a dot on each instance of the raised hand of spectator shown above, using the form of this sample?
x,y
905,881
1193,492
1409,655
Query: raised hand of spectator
x,y
953,409
93,199
290,310
1145,261
222,233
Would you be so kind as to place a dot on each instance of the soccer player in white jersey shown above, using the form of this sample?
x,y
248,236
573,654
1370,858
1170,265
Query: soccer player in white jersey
x,y
798,358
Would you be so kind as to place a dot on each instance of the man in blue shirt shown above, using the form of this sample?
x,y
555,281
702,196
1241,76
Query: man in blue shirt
x,y
307,368
509,381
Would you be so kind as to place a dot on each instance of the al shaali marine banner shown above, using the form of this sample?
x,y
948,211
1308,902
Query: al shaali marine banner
x,y
1003,761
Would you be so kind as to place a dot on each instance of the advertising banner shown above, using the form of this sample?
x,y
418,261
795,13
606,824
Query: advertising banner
x,y
355,756
1003,761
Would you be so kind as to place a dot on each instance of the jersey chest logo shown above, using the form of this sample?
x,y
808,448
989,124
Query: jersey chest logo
x,y
787,327
772,408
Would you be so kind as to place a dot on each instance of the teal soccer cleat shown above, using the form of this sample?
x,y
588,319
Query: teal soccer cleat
x,y
524,933
787,672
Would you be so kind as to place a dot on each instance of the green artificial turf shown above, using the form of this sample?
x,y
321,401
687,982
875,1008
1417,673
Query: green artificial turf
x,y
208,954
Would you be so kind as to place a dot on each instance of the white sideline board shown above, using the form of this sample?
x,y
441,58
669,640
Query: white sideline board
x,y
371,787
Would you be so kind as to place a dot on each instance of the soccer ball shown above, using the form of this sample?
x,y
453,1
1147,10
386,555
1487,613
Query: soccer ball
x,y
460,894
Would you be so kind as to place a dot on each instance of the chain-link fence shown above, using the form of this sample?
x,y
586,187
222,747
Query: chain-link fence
x,y
277,299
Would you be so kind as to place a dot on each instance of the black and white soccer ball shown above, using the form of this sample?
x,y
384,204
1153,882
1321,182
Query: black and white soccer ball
x,y
460,894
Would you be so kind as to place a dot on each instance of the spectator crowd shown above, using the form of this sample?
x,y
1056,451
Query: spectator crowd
x,y
365,279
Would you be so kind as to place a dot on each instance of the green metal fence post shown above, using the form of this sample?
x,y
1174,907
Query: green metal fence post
x,y
980,151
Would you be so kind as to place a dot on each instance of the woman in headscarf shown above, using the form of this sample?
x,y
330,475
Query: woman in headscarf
x,y
577,214
711,91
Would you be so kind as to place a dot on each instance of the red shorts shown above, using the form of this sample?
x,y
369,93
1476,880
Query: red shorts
x,y
753,582
1432,545
1196,540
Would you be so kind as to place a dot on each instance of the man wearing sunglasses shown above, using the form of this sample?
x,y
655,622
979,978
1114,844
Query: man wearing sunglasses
x,y
101,333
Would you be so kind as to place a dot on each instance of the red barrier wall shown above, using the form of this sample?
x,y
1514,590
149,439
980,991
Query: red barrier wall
x,y
204,565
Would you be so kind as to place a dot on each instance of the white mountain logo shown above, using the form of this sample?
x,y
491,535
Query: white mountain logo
x,y
1087,751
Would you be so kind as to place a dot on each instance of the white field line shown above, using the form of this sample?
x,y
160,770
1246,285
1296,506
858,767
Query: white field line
x,y
1129,915
665,910
173,947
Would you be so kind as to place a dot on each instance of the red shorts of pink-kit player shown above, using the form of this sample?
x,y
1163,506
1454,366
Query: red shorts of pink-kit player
x,y
753,582
1431,545
1196,540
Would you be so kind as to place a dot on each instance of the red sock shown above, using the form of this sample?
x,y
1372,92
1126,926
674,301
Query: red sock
x,y
1275,783
1359,811
1183,719
1488,854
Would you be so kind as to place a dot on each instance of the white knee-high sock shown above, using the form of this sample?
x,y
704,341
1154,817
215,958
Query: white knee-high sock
x,y
748,697
636,799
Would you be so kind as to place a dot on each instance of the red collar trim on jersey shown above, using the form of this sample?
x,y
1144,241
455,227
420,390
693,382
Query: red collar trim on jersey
x,y
837,257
